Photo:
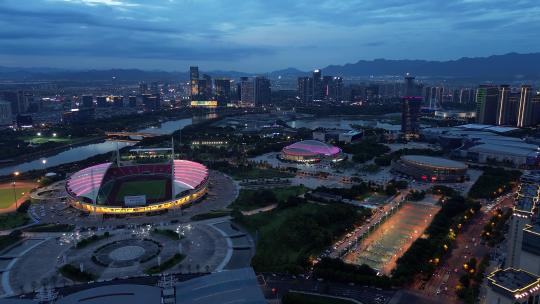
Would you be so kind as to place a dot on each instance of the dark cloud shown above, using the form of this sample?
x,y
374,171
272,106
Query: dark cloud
x,y
260,32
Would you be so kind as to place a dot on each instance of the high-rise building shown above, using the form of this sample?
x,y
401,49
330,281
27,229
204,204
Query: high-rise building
x,y
194,82
87,101
5,113
466,96
118,101
207,90
262,91
411,104
154,88
503,105
525,107
536,109
151,102
247,93
305,89
332,88
336,91
101,101
223,91
519,281
143,88
132,101
487,99
317,85
19,104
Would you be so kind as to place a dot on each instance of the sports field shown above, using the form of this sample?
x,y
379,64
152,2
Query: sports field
x,y
153,189
7,197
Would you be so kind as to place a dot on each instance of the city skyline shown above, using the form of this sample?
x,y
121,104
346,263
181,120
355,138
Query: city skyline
x,y
257,36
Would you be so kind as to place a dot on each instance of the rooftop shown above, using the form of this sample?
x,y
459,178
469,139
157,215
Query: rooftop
x,y
311,147
434,161
231,286
514,281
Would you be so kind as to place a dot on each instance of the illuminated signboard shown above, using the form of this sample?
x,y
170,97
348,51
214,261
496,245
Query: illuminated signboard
x,y
204,103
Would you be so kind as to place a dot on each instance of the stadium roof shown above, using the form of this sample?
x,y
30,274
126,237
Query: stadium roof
x,y
188,175
434,161
311,147
229,286
86,183
117,294
505,149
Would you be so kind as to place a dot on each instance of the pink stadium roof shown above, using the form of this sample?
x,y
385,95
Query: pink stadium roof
x,y
311,147
87,181
189,174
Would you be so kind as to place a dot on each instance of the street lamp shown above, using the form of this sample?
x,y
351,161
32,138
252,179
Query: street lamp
x,y
15,174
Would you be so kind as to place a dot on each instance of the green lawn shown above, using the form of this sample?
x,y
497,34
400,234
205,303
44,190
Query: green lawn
x,y
38,140
154,189
252,199
12,220
301,298
287,237
6,196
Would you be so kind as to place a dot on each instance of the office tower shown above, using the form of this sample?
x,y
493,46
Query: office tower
x,y
371,92
132,100
143,88
5,113
101,101
503,105
87,101
519,281
247,91
262,91
411,104
526,198
202,90
335,91
194,82
17,101
535,99
118,101
223,91
317,85
154,88
427,94
466,96
326,87
525,108
305,89
487,98
206,89
151,102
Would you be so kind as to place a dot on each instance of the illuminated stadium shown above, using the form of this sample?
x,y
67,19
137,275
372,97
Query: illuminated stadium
x,y
110,188
310,151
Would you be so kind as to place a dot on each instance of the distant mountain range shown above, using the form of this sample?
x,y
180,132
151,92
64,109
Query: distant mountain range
x,y
507,67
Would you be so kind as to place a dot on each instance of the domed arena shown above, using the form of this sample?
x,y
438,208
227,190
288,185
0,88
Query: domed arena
x,y
110,188
310,151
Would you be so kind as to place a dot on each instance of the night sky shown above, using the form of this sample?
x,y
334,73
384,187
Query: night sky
x,y
258,35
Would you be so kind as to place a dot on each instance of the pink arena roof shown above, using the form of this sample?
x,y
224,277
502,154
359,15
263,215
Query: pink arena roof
x,y
311,147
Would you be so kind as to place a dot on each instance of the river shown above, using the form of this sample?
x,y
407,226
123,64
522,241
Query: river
x,y
85,151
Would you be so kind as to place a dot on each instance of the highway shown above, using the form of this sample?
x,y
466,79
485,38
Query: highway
x,y
442,284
